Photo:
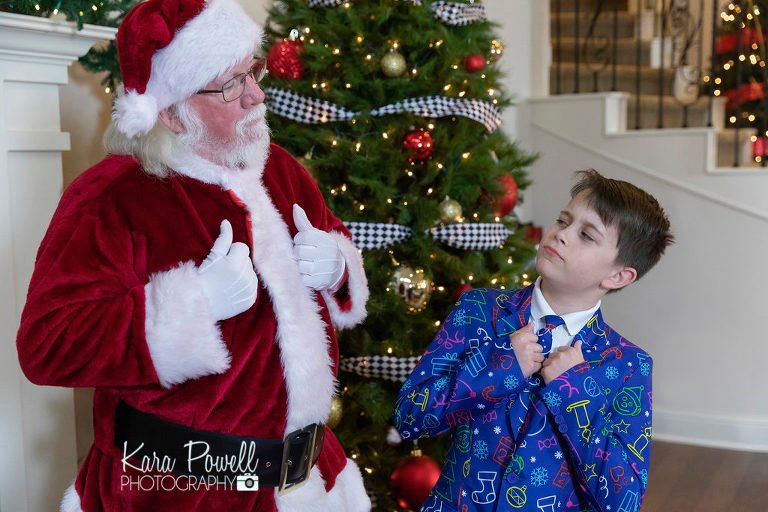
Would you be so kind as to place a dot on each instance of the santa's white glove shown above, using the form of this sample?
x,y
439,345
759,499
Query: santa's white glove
x,y
320,260
227,276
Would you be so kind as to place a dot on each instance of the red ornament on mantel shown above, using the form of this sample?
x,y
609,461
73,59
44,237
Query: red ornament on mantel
x,y
474,63
413,479
419,144
506,203
284,59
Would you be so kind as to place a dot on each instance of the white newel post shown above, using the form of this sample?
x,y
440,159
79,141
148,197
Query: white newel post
x,y
37,427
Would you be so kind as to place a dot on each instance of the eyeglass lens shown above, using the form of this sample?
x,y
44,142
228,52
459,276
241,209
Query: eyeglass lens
x,y
235,87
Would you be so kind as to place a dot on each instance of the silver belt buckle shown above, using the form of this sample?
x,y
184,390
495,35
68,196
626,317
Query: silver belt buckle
x,y
286,487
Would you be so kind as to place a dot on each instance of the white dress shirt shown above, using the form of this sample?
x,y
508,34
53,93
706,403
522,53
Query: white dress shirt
x,y
562,334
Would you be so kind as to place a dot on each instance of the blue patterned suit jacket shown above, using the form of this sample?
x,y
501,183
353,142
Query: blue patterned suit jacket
x,y
580,443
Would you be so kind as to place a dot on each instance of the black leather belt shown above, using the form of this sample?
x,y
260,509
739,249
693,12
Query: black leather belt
x,y
147,440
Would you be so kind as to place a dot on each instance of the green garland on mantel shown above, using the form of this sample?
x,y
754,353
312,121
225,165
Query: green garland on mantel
x,y
109,13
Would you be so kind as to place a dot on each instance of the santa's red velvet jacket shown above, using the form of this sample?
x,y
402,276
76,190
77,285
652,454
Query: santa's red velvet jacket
x,y
114,303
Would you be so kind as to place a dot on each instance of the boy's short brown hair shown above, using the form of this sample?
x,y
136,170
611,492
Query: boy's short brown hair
x,y
642,225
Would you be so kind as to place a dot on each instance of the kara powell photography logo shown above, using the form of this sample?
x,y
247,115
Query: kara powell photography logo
x,y
199,469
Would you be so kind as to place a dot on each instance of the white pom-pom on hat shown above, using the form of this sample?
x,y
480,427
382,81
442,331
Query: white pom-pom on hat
x,y
135,114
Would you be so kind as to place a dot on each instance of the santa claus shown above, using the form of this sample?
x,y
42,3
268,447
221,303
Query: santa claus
x,y
193,278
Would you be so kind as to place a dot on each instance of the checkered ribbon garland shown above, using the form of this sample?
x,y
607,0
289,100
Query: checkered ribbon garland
x,y
457,14
476,236
450,13
396,369
483,112
304,109
293,106
372,235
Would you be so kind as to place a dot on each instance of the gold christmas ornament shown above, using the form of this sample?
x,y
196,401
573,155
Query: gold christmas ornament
x,y
393,64
334,418
450,210
497,49
412,287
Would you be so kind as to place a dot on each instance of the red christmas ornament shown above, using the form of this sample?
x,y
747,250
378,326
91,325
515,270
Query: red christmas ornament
x,y
284,59
474,63
506,203
412,480
463,287
419,143
533,234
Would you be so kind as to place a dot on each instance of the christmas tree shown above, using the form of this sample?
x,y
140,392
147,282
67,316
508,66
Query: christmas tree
x,y
394,107
739,72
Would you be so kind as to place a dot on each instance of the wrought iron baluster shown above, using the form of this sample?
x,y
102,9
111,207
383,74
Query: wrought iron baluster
x,y
577,50
638,56
662,36
558,48
712,57
739,68
614,54
596,47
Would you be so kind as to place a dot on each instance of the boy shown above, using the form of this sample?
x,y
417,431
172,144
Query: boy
x,y
549,408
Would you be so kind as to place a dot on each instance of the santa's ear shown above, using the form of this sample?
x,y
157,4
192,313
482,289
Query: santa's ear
x,y
171,120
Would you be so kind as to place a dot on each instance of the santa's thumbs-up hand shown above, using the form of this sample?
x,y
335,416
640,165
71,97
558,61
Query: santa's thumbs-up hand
x,y
227,276
321,263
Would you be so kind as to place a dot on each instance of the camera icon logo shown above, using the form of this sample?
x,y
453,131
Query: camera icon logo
x,y
247,482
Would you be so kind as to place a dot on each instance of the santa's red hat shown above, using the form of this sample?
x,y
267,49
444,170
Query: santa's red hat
x,y
170,49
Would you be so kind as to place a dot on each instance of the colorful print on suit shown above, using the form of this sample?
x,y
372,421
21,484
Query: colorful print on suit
x,y
580,443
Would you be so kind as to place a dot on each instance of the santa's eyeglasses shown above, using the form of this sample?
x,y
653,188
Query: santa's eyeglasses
x,y
235,87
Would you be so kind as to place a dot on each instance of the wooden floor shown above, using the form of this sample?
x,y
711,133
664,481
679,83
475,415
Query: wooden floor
x,y
692,478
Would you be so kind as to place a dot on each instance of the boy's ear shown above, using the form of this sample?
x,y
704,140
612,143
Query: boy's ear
x,y
620,278
171,121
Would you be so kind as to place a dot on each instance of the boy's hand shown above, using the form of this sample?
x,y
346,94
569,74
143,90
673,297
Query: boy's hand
x,y
528,352
561,361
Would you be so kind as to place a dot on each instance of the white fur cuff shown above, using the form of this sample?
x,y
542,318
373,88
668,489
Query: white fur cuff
x,y
347,495
357,284
184,340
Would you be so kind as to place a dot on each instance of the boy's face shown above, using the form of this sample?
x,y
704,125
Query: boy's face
x,y
577,254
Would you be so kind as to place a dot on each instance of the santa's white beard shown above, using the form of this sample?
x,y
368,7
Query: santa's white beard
x,y
247,150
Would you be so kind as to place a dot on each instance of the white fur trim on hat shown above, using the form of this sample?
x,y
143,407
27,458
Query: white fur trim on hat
x,y
71,500
357,284
183,339
207,46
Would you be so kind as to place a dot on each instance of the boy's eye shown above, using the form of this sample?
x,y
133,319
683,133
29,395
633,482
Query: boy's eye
x,y
560,222
586,236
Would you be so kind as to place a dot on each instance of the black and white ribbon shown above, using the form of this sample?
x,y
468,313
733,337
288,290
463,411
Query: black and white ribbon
x,y
471,236
450,13
303,109
483,112
477,236
372,235
396,369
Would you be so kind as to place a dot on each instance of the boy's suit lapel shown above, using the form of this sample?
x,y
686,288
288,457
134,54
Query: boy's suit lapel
x,y
511,311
